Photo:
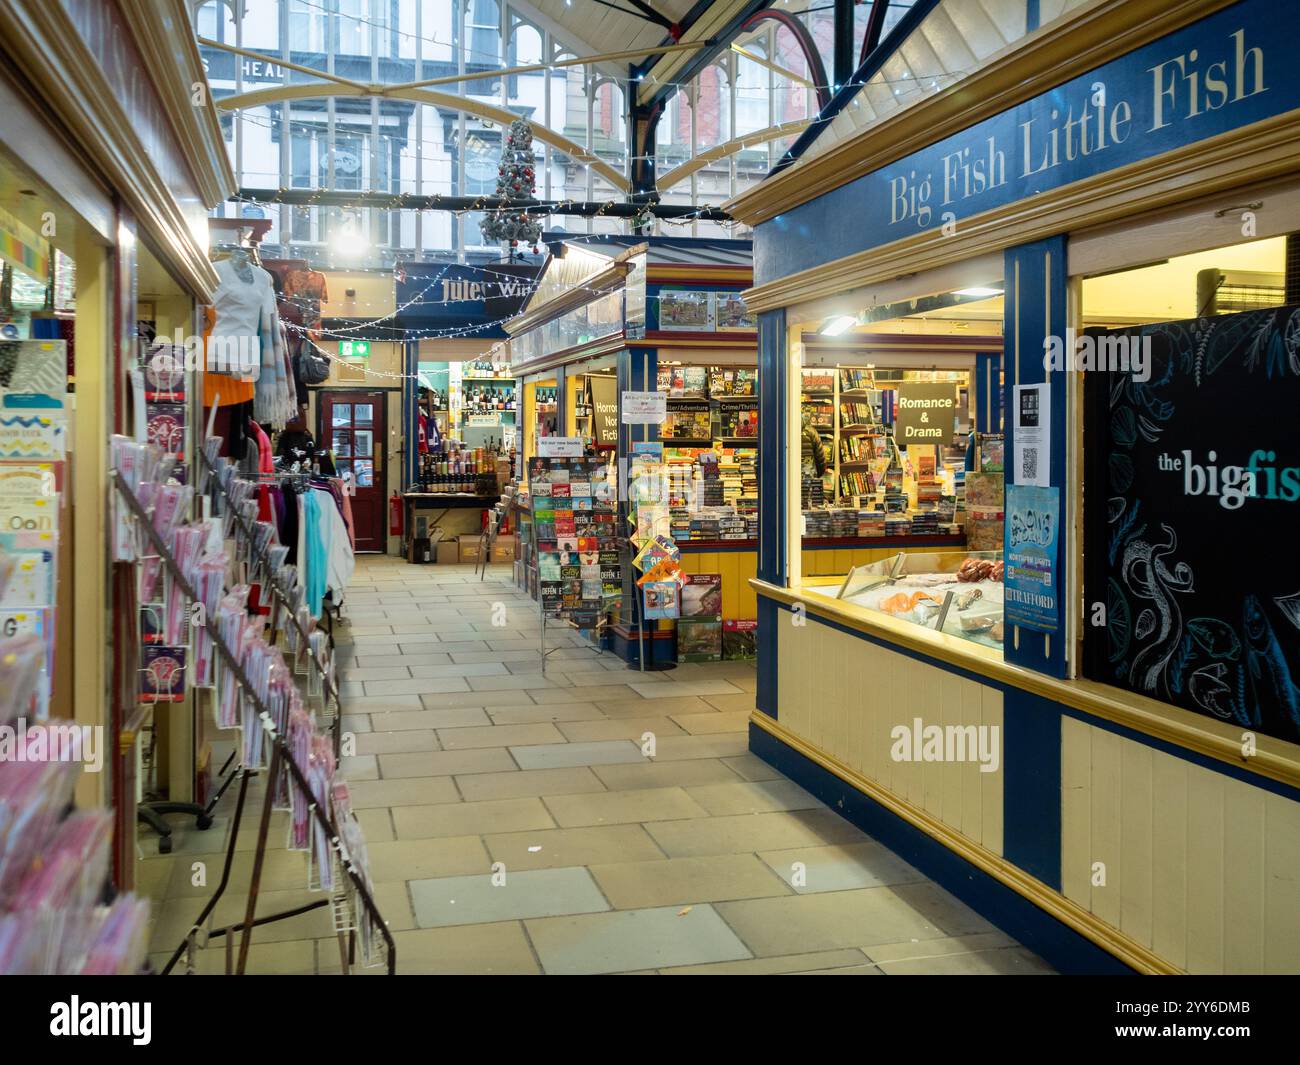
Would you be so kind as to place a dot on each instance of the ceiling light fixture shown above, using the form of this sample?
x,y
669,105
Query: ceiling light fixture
x,y
978,291
839,324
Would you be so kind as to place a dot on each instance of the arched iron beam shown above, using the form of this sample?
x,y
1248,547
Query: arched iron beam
x,y
816,68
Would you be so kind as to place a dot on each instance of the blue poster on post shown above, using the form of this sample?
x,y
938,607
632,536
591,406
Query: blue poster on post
x,y
1033,536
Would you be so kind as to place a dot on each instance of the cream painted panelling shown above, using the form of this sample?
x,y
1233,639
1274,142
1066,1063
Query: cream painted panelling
x,y
1201,868
844,696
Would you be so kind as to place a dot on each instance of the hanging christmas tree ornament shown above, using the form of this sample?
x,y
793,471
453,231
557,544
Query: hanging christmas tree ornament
x,y
515,181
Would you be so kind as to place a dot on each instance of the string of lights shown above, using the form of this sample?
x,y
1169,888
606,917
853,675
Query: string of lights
x,y
621,159
355,200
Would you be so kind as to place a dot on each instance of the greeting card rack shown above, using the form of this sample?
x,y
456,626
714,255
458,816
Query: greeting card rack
x,y
282,758
556,614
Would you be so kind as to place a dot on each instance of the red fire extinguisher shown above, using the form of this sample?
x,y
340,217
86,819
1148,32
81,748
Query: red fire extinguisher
x,y
395,515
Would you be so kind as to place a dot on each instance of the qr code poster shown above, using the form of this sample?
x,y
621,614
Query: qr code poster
x,y
1032,457
1028,466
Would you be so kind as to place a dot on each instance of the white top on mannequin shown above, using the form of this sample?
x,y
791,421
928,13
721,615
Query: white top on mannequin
x,y
245,306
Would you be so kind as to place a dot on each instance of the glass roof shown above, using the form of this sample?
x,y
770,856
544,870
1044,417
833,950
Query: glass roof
x,y
414,97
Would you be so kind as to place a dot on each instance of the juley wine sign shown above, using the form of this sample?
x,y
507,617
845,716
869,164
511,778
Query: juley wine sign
x,y
1192,579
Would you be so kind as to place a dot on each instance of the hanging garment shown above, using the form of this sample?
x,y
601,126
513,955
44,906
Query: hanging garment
x,y
305,284
265,462
231,424
345,508
275,400
289,523
313,551
219,389
324,556
339,558
245,310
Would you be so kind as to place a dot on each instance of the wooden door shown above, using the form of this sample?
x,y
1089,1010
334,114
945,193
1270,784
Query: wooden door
x,y
352,426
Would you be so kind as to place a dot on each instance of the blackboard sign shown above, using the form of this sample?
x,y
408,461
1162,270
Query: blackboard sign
x,y
1192,483
604,410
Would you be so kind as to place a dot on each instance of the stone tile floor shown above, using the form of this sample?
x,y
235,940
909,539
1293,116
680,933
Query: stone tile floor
x,y
468,754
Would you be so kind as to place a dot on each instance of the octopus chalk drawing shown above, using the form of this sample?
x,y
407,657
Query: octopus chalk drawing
x,y
1160,625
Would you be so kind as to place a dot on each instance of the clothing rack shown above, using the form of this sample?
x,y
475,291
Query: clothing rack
x,y
281,755
261,562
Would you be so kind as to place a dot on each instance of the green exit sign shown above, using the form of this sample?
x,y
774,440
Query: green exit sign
x,y
354,349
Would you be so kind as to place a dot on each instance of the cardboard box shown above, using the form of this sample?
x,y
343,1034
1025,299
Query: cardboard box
x,y
448,552
503,550
469,546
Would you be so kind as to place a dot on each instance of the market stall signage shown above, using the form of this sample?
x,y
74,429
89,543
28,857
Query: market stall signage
x,y
559,447
644,408
462,300
1226,71
927,414
604,410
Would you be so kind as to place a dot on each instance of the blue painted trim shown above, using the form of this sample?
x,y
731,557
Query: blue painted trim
x,y
1031,785
1033,17
772,435
1053,941
769,660
987,398
1036,290
1227,769
661,648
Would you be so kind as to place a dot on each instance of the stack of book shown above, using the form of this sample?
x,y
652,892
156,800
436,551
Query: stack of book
x,y
844,523
732,526
679,523
817,522
871,522
925,523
